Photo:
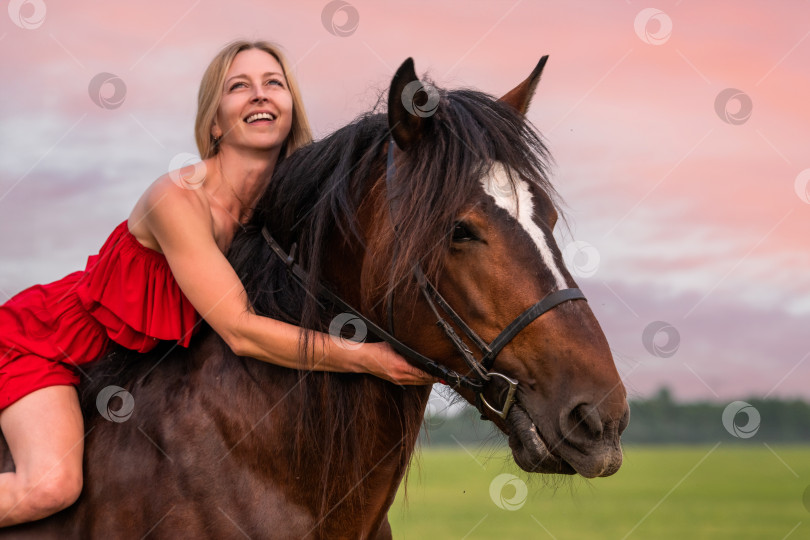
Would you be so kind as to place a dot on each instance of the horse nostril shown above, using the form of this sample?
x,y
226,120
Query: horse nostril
x,y
591,418
582,426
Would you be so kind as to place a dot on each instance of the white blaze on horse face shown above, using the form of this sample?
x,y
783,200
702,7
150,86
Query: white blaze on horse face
x,y
520,207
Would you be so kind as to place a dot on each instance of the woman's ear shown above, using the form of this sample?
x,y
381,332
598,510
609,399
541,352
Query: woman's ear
x,y
216,133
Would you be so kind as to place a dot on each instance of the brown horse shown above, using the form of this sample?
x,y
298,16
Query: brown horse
x,y
220,446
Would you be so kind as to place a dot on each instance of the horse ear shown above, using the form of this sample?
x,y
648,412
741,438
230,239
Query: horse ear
x,y
520,96
411,103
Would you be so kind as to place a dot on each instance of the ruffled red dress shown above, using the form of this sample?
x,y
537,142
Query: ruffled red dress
x,y
126,294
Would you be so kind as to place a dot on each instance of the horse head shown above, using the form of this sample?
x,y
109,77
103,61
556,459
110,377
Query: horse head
x,y
467,200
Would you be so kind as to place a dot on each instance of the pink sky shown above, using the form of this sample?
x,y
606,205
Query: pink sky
x,y
697,222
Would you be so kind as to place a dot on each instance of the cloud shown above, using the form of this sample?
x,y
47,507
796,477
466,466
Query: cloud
x,y
727,348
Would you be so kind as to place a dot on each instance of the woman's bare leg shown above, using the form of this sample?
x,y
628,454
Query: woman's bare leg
x,y
45,433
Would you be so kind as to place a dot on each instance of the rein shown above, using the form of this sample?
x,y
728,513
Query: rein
x,y
489,352
423,362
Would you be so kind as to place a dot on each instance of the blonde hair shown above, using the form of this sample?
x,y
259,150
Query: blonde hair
x,y
210,95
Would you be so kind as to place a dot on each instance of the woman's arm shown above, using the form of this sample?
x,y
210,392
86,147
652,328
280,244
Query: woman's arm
x,y
183,228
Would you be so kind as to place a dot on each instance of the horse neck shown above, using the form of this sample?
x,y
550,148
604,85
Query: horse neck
x,y
389,423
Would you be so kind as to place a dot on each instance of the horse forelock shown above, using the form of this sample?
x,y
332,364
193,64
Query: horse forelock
x,y
440,176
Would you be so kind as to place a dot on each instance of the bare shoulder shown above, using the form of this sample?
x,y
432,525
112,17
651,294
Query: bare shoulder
x,y
168,203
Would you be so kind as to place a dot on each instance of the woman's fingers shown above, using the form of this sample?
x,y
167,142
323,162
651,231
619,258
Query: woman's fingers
x,y
393,367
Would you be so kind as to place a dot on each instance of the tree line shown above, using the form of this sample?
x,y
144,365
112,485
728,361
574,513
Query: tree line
x,y
659,420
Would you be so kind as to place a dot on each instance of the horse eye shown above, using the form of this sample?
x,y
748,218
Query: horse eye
x,y
462,233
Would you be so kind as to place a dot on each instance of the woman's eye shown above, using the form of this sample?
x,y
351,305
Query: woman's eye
x,y
234,86
276,81
462,233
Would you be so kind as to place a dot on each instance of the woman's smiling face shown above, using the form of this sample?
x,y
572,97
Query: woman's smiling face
x,y
256,107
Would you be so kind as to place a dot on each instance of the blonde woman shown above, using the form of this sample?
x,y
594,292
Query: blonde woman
x,y
155,276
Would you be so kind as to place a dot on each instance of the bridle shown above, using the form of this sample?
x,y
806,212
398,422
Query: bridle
x,y
482,369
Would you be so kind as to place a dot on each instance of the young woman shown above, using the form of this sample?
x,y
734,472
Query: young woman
x,y
158,272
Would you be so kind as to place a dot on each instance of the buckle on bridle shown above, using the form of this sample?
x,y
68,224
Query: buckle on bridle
x,y
510,395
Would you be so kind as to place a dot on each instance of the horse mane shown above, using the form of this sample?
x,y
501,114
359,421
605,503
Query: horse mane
x,y
315,194
312,199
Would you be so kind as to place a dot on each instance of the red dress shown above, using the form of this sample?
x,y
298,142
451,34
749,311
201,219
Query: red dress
x,y
126,294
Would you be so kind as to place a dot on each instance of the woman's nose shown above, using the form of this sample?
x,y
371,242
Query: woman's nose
x,y
260,93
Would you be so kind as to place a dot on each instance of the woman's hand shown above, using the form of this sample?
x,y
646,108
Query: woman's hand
x,y
380,360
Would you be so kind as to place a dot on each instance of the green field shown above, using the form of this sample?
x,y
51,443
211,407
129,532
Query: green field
x,y
731,491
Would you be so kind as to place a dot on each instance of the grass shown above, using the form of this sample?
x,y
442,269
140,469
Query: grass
x,y
750,491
